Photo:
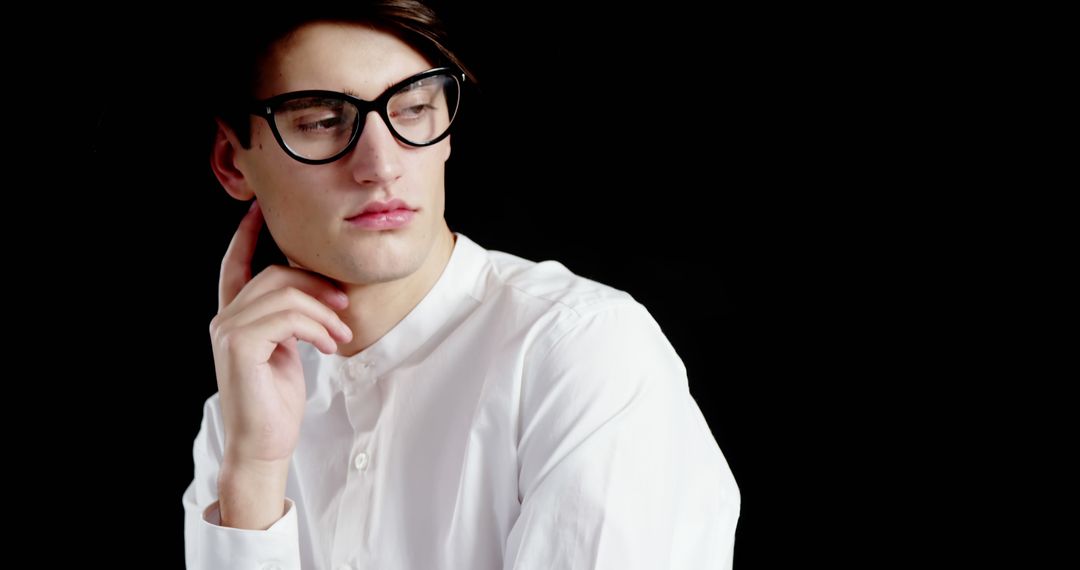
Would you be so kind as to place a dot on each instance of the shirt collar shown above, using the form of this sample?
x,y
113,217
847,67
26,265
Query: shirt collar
x,y
457,291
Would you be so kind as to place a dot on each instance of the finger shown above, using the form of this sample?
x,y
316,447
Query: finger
x,y
291,298
278,277
270,330
236,265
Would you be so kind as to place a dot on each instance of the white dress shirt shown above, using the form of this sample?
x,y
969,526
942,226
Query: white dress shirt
x,y
519,417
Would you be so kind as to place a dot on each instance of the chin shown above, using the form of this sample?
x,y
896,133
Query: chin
x,y
382,267
384,275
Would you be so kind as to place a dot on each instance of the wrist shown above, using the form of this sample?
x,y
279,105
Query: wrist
x,y
252,493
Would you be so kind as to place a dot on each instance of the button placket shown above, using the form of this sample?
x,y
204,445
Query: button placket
x,y
361,394
363,400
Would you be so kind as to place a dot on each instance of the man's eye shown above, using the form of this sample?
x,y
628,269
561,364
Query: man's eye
x,y
412,112
321,125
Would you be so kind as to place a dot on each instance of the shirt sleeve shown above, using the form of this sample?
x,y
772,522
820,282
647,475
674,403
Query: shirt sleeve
x,y
618,468
209,546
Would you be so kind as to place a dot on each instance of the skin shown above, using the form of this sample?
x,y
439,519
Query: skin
x,y
345,287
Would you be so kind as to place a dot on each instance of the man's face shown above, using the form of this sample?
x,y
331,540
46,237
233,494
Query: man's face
x,y
306,206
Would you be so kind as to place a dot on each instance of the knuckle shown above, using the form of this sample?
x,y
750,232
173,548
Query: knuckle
x,y
226,339
295,319
272,271
218,327
291,293
258,277
214,324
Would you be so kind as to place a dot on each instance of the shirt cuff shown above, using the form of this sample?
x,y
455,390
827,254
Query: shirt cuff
x,y
227,548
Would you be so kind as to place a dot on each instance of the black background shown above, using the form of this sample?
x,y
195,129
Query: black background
x,y
699,190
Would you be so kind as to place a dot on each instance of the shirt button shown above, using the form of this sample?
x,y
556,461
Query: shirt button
x,y
359,368
361,461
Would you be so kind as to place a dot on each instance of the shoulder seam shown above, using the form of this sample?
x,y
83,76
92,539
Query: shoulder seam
x,y
597,308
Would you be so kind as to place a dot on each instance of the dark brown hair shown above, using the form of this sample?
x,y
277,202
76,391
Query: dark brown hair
x,y
246,46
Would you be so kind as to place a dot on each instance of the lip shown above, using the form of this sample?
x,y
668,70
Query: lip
x,y
376,207
383,215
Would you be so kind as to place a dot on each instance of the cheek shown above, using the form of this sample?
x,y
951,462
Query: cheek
x,y
262,169
274,175
432,163
446,149
286,197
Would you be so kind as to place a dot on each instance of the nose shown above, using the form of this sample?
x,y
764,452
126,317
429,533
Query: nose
x,y
376,159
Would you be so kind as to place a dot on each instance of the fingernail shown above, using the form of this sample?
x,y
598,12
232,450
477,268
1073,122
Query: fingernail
x,y
254,204
342,298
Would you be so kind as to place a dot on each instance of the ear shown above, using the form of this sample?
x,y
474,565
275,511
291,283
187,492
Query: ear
x,y
223,161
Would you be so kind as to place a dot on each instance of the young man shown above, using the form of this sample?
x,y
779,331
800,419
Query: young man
x,y
401,397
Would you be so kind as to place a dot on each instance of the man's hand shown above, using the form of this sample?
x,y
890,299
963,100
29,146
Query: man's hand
x,y
259,374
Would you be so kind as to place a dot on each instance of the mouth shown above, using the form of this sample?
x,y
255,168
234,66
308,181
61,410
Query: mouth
x,y
382,220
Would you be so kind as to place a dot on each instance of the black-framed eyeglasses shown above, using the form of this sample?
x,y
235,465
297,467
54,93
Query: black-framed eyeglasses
x,y
317,127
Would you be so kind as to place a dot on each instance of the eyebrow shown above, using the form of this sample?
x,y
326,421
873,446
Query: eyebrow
x,y
348,91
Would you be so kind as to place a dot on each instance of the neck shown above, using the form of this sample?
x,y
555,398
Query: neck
x,y
376,308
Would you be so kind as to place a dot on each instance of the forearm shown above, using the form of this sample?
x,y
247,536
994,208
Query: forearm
x,y
252,495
